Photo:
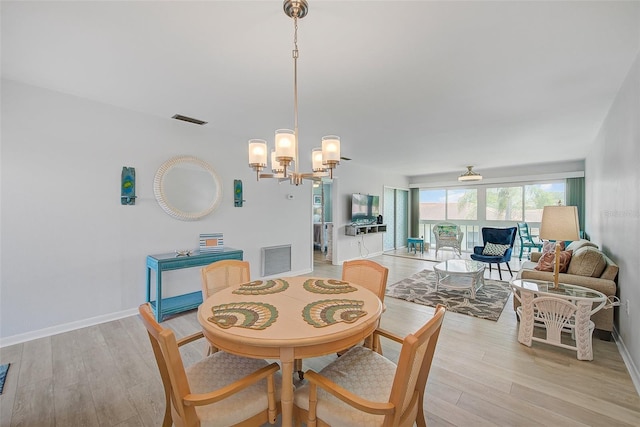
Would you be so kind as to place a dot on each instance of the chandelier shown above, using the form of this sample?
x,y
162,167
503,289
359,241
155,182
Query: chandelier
x,y
323,160
470,175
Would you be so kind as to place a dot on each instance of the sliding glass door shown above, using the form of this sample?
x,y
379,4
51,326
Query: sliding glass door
x,y
396,217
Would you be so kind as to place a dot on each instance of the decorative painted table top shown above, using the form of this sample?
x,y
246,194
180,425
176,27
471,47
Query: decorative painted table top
x,y
288,310
289,318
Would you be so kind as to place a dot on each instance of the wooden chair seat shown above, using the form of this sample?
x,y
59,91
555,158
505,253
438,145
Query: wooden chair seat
x,y
363,388
218,391
221,369
370,376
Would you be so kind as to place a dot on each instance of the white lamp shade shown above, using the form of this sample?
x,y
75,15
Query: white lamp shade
x,y
258,152
276,167
560,223
330,149
285,144
316,160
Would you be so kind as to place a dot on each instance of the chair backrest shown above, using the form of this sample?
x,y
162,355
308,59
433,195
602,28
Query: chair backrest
x,y
446,229
222,274
523,232
174,378
502,236
414,365
366,273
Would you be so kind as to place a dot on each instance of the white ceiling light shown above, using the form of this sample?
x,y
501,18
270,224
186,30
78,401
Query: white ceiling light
x,y
470,175
324,159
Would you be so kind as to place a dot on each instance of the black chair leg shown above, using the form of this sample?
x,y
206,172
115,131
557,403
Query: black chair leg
x,y
499,271
509,267
489,269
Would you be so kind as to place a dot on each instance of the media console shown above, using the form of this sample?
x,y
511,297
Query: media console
x,y
358,229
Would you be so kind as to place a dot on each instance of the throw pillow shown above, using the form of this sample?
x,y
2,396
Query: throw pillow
x,y
494,249
587,261
549,246
577,244
548,260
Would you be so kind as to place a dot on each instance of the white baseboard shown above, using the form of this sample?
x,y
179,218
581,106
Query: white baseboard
x,y
66,327
628,361
54,330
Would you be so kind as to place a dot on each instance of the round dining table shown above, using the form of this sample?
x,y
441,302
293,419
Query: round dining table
x,y
289,318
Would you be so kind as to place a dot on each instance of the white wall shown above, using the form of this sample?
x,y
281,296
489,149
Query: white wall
x,y
613,206
353,178
71,252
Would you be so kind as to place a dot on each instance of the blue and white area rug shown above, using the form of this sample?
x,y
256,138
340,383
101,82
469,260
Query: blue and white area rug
x,y
3,375
420,288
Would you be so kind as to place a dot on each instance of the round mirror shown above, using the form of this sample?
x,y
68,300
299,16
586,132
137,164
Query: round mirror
x,y
187,188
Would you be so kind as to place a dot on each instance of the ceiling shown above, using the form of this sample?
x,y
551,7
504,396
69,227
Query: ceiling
x,y
413,87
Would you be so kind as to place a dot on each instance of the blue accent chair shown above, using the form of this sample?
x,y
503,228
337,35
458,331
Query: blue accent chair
x,y
501,236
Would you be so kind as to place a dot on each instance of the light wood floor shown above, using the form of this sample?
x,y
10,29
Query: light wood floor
x,y
105,375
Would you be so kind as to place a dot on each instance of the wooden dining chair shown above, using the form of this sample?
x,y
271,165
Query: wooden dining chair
x,y
222,389
376,391
222,274
373,277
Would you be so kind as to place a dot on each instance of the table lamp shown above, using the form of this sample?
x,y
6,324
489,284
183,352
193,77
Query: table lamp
x,y
559,223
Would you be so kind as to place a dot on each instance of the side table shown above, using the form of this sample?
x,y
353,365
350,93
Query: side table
x,y
567,308
414,242
165,262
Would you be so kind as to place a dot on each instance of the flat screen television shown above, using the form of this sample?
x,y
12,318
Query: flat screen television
x,y
364,208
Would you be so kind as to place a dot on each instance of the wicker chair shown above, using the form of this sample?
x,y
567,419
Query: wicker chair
x,y
448,235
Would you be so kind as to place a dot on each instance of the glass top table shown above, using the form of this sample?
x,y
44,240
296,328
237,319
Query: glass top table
x,y
460,274
567,308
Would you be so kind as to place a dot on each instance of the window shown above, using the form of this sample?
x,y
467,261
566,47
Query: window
x,y
537,196
433,204
504,204
453,204
462,204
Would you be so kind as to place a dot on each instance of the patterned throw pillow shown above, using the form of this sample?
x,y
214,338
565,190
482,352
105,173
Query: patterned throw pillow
x,y
549,246
548,260
494,249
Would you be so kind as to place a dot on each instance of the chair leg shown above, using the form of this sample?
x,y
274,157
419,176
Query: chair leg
x,y
509,267
521,249
297,366
499,271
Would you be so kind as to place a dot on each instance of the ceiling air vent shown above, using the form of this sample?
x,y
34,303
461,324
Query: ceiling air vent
x,y
188,119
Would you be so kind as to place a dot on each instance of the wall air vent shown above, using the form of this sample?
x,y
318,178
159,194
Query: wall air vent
x,y
189,119
276,259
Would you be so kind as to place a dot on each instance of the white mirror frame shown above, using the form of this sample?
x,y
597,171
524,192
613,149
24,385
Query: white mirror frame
x,y
163,201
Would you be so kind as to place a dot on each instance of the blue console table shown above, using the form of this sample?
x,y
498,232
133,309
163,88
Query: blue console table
x,y
165,262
